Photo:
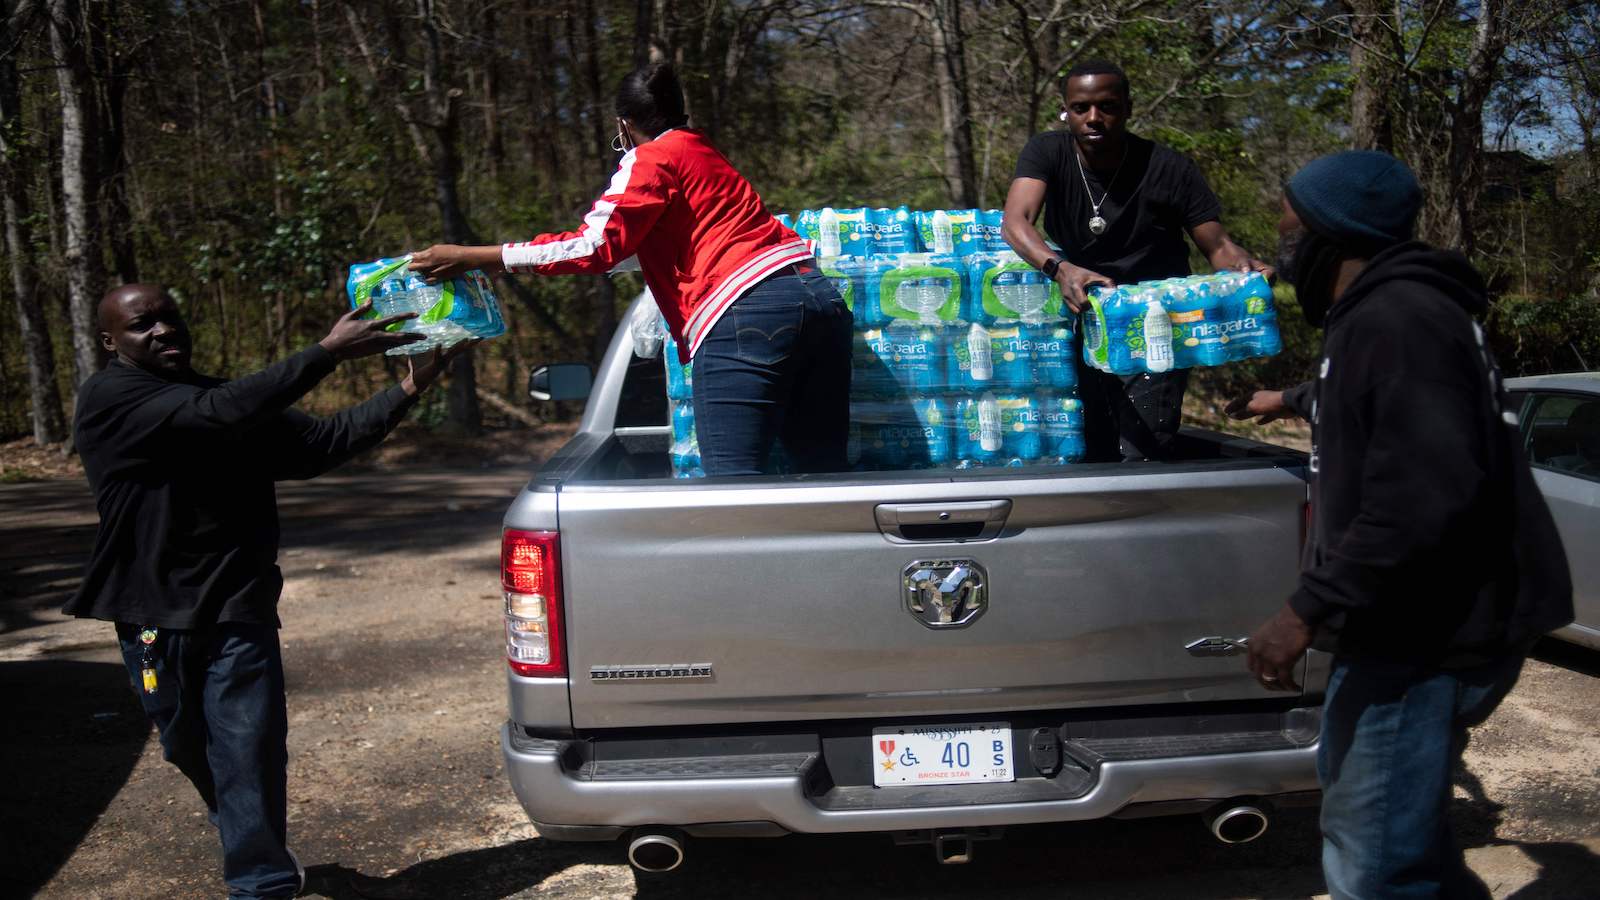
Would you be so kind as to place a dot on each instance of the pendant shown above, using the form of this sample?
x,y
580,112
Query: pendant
x,y
1097,225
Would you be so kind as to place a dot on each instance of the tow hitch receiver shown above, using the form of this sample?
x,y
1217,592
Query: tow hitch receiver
x,y
951,847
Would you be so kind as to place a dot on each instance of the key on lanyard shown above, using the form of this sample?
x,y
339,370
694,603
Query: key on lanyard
x,y
147,637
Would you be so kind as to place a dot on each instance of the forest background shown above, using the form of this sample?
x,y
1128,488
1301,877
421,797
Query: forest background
x,y
247,152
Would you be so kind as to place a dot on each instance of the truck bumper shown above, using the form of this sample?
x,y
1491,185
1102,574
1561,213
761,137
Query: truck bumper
x,y
567,804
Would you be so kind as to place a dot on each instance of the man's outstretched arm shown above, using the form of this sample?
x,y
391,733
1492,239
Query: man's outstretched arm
x,y
306,446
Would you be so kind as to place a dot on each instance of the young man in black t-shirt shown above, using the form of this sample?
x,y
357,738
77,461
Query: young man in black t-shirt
x,y
1119,206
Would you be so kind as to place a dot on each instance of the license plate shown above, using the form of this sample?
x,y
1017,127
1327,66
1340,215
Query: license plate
x,y
941,754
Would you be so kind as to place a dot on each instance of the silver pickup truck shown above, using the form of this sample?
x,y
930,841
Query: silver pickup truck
x,y
932,654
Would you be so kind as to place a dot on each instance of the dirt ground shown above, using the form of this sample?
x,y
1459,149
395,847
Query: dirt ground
x,y
392,648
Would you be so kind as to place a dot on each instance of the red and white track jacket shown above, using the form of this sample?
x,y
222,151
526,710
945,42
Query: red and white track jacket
x,y
700,231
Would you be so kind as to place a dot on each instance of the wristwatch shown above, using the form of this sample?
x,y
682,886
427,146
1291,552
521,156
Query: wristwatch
x,y
1050,266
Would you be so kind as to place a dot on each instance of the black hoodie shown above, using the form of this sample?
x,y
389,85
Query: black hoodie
x,y
1429,541
182,467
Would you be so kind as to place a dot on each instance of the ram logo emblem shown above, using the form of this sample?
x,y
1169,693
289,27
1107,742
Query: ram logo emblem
x,y
945,593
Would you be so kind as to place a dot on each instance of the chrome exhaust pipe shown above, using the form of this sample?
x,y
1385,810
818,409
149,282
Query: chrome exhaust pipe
x,y
656,849
1236,821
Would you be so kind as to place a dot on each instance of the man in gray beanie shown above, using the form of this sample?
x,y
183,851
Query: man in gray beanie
x,y
1432,563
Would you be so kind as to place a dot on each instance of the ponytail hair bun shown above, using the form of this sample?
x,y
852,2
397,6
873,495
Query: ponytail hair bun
x,y
652,98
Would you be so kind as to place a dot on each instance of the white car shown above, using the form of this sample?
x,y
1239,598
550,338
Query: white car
x,y
1561,433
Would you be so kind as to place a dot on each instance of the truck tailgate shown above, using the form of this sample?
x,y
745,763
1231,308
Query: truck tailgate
x,y
793,594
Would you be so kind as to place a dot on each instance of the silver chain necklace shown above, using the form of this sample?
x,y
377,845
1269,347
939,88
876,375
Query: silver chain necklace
x,y
1097,225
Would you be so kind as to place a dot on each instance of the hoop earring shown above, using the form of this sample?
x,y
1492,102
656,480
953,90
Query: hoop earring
x,y
1063,116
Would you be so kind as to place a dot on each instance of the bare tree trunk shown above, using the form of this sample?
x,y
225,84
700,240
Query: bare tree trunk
x,y
1466,126
321,64
494,143
114,69
79,185
643,29
49,426
463,414
950,68
1371,77
605,302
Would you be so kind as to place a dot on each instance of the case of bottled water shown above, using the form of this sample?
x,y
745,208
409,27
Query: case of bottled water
x,y
1201,320
851,276
448,312
958,231
835,232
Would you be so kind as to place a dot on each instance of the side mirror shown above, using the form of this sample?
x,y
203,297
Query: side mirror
x,y
560,381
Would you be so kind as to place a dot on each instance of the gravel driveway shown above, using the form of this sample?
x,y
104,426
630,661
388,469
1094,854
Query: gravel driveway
x,y
392,648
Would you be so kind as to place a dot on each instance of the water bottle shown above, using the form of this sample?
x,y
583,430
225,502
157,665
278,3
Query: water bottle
x,y
390,298
890,231
1195,316
686,460
918,287
682,421
978,439
993,236
1157,334
1096,330
924,297
1019,428
1258,314
1013,355
943,233
872,369
970,358
885,442
828,232
1053,364
680,375
862,278
933,416
914,357
1061,429
1020,293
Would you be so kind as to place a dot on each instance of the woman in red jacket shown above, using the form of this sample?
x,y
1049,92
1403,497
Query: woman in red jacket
x,y
769,335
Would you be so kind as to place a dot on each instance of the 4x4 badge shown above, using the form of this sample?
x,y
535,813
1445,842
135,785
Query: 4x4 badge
x,y
945,593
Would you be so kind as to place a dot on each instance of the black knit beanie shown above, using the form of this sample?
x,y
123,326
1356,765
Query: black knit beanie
x,y
1363,200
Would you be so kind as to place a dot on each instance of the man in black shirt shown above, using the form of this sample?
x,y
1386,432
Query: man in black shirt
x,y
185,559
1118,205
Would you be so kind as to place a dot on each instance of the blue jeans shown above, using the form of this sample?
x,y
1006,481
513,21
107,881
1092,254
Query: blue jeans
x,y
219,707
776,367
1392,734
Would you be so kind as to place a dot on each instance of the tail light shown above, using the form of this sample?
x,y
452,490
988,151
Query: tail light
x,y
530,574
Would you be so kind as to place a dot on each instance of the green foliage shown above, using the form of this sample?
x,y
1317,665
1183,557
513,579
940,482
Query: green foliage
x,y
1533,335
253,214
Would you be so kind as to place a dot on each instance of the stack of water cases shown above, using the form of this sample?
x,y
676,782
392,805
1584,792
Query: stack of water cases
x,y
1201,320
963,357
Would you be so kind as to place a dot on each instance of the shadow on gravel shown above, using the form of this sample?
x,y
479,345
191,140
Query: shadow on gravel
x,y
470,875
1565,870
74,731
1567,656
1152,858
